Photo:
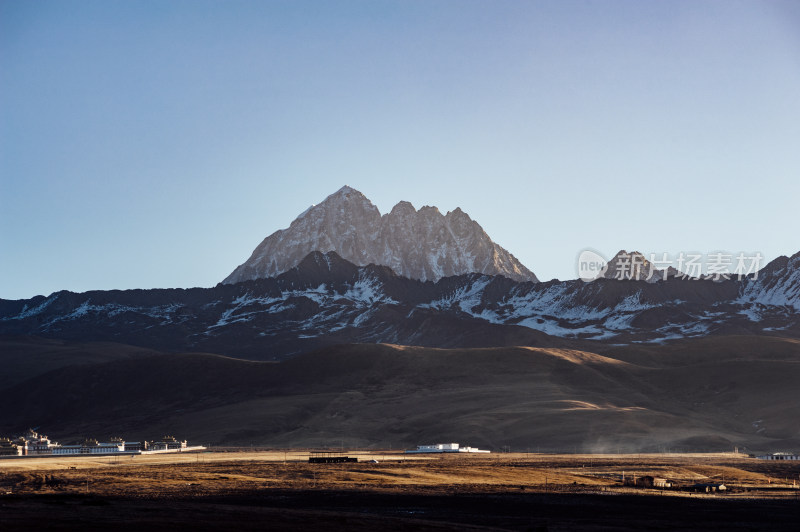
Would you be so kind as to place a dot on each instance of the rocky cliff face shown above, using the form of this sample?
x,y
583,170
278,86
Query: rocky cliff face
x,y
420,244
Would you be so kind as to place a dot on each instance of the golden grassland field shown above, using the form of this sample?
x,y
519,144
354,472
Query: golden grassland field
x,y
221,472
441,490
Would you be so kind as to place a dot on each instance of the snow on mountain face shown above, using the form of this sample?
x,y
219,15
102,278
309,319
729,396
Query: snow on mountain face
x,y
777,284
420,244
326,300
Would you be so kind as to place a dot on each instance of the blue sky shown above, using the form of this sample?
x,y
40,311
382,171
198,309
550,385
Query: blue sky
x,y
156,143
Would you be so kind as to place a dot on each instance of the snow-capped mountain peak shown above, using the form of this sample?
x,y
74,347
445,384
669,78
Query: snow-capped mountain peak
x,y
420,244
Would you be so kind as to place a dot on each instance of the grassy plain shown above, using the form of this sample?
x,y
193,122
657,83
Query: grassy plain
x,y
515,491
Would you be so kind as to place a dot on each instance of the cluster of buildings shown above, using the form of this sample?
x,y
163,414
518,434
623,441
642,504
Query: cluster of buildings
x,y
444,448
34,444
779,456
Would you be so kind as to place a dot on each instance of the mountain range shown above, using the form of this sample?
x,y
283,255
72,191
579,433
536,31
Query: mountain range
x,y
326,300
410,327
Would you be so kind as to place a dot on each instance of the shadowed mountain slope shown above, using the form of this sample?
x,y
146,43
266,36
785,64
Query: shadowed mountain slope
x,y
706,394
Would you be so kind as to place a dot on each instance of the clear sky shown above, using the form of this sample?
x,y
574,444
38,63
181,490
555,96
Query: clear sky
x,y
155,143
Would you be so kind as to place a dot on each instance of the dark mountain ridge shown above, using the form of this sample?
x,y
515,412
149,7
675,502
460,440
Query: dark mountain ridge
x,y
326,300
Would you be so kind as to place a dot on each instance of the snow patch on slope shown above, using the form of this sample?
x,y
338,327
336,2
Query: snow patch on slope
x,y
33,311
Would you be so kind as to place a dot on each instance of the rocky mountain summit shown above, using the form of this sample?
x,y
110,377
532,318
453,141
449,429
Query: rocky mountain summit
x,y
419,244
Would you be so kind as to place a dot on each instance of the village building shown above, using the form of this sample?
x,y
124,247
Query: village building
x,y
9,448
91,447
168,443
136,446
445,448
34,444
779,456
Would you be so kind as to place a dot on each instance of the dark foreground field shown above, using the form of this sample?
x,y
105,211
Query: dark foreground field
x,y
314,510
248,491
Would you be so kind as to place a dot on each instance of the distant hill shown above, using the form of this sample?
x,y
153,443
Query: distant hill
x,y
703,394
23,357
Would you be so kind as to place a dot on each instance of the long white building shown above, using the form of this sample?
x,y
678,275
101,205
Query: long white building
x,y
444,448
91,447
779,456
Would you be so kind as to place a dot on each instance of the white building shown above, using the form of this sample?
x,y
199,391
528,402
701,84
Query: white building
x,y
35,444
168,443
444,448
779,456
91,447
